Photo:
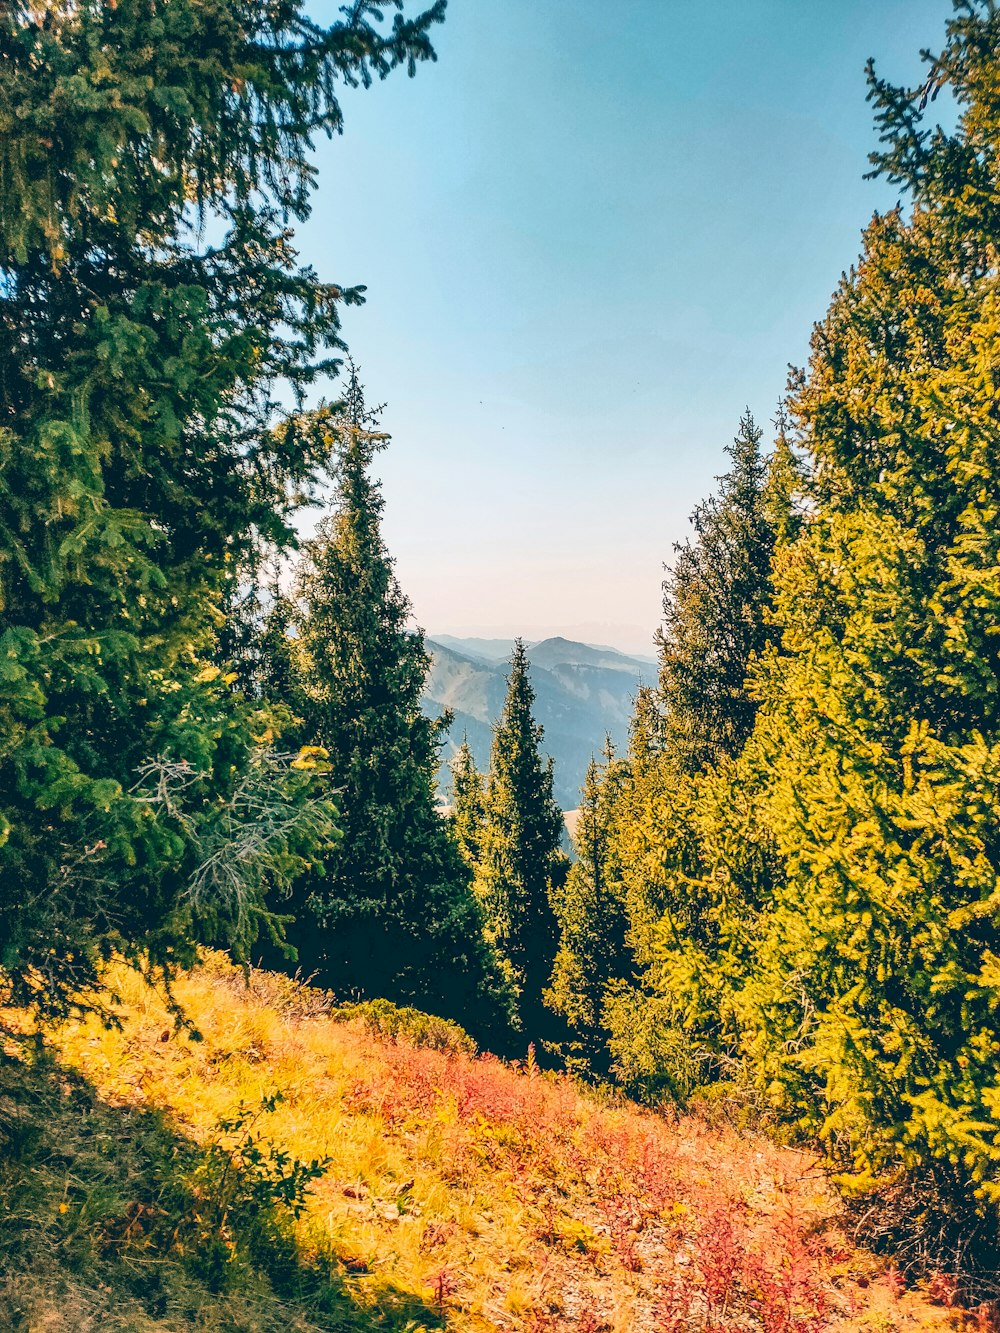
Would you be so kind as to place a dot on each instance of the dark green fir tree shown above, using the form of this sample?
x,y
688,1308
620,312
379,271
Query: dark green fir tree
x,y
392,913
714,611
591,912
521,864
468,804
142,456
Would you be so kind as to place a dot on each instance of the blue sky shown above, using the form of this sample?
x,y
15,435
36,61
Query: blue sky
x,y
592,233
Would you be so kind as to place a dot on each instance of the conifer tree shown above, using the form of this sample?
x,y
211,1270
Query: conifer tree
x,y
646,732
391,914
591,913
870,1014
714,606
142,456
696,859
521,862
468,804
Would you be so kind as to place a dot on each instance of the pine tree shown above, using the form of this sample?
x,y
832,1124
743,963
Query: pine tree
x,y
521,862
714,607
870,1014
696,860
591,913
392,913
142,457
468,804
646,731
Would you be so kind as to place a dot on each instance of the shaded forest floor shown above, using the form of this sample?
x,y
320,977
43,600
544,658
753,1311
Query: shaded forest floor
x,y
151,1182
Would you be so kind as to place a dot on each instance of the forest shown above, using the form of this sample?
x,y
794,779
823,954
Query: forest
x,y
782,911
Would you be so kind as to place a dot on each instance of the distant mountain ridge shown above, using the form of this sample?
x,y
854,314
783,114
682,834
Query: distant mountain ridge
x,y
583,694
555,647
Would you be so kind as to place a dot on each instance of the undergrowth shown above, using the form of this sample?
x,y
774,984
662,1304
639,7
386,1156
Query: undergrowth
x,y
111,1220
398,1023
152,1182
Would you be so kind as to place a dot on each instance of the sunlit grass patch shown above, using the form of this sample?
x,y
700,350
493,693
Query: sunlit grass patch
x,y
449,1189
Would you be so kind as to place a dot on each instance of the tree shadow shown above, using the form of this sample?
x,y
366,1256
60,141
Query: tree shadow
x,y
111,1219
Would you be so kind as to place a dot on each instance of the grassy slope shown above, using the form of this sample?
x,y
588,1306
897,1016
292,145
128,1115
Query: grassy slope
x,y
459,1194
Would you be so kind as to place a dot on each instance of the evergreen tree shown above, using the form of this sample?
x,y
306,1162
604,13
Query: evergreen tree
x,y
696,860
698,867
590,911
646,731
870,1014
468,804
714,608
141,453
521,863
392,913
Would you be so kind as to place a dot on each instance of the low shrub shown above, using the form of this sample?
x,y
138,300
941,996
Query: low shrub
x,y
409,1027
923,1220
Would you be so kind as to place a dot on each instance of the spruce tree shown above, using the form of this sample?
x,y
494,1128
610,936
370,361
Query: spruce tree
x,y
696,859
591,912
870,1014
468,804
714,609
521,862
391,914
142,453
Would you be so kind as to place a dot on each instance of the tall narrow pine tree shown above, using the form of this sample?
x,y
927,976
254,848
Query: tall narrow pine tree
x,y
696,859
468,804
392,913
593,923
714,605
521,861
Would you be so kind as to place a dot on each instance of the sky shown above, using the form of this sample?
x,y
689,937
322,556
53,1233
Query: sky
x,y
592,234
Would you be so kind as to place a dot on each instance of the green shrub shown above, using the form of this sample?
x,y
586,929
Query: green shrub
x,y
407,1026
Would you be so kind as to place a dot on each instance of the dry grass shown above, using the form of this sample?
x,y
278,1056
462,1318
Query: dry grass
x,y
482,1197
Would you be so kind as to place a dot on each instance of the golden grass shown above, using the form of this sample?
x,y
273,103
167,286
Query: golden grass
x,y
498,1198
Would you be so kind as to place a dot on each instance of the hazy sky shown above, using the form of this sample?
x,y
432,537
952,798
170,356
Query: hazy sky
x,y
592,233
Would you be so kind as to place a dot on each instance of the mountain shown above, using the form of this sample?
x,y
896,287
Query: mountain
x,y
482,650
556,652
543,651
584,693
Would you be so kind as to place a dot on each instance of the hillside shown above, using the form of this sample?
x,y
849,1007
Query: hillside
x,y
583,694
142,1179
